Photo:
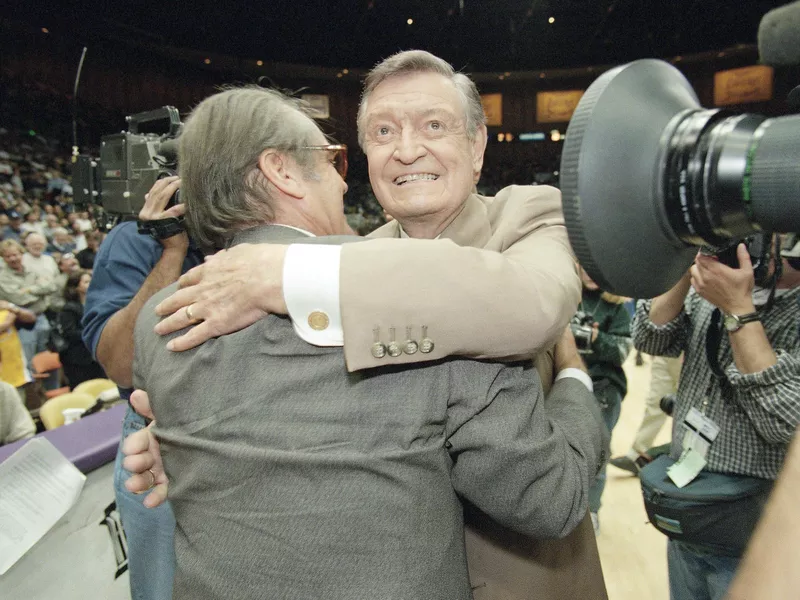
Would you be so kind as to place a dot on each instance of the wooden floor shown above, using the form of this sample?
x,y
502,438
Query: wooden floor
x,y
632,552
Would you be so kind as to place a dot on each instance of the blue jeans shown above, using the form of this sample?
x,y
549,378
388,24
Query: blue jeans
x,y
150,531
698,574
610,401
34,341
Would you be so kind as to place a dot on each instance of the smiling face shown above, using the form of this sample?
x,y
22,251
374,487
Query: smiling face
x,y
422,164
35,244
13,258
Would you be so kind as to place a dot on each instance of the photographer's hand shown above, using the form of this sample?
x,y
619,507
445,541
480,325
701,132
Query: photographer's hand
x,y
233,289
730,290
155,208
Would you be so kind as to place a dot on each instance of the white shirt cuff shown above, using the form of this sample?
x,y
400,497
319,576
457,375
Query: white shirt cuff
x,y
581,376
311,292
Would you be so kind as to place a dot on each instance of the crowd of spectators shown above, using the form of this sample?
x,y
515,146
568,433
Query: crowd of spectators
x,y
45,242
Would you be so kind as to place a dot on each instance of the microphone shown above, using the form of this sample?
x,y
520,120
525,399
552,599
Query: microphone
x,y
779,36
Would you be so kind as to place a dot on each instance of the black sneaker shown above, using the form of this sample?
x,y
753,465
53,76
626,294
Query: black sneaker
x,y
631,466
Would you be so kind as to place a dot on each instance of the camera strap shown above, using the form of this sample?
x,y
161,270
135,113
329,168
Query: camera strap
x,y
713,341
161,229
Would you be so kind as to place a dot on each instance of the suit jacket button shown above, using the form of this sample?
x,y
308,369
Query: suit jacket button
x,y
378,350
394,349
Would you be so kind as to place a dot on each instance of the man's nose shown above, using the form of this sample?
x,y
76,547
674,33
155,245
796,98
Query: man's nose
x,y
409,147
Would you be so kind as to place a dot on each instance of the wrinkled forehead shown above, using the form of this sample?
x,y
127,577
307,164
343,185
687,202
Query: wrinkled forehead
x,y
413,94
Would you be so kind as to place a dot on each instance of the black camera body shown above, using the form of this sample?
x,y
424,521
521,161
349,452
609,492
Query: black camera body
x,y
130,163
759,247
582,326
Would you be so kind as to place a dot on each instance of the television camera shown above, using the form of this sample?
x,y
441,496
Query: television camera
x,y
130,162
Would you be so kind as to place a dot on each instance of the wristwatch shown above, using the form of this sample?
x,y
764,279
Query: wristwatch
x,y
736,322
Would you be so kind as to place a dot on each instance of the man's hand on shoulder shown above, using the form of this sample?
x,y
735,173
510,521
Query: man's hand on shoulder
x,y
155,208
232,290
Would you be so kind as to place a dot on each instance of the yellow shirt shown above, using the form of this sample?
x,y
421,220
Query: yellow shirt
x,y
12,359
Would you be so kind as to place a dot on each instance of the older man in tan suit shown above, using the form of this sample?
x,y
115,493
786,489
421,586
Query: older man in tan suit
x,y
485,278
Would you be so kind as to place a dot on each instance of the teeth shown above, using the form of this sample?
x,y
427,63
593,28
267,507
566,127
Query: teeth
x,y
416,177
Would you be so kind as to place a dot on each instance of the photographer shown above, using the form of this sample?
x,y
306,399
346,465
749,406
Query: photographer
x,y
739,387
603,336
129,269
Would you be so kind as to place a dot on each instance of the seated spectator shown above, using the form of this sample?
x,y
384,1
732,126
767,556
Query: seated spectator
x,y
62,242
36,260
32,223
14,364
13,231
77,361
50,224
87,255
78,238
84,222
15,420
23,288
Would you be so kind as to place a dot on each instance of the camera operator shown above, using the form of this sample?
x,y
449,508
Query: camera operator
x,y
740,380
128,270
603,336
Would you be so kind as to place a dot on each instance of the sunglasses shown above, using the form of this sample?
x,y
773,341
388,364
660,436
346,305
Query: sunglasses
x,y
338,156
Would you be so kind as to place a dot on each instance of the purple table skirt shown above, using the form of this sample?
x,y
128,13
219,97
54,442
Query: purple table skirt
x,y
88,443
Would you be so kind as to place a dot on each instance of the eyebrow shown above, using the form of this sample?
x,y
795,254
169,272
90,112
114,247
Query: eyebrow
x,y
428,112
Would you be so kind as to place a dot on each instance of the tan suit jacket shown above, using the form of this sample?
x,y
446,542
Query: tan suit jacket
x,y
503,269
530,272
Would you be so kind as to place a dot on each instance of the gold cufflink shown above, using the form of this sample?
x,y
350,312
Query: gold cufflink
x,y
318,321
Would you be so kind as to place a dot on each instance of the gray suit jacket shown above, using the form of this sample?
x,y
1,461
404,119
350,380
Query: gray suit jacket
x,y
292,478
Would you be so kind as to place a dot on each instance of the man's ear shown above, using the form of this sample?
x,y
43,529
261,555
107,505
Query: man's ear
x,y
282,172
478,150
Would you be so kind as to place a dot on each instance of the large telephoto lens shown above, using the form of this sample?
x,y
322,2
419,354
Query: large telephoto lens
x,y
647,175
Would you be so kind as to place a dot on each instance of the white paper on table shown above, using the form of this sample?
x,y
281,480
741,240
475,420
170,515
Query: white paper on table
x,y
38,485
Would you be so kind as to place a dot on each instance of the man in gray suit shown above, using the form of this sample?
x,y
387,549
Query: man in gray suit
x,y
292,478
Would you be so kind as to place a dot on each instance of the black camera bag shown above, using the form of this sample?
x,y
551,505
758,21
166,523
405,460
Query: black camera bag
x,y
715,510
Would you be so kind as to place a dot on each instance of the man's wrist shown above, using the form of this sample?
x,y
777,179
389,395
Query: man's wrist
x,y
739,308
176,243
270,289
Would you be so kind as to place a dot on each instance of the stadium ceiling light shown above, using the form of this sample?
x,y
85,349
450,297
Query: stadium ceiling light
x,y
410,21
551,20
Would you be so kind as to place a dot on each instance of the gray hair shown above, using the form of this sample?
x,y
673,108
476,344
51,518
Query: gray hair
x,y
33,235
419,61
218,152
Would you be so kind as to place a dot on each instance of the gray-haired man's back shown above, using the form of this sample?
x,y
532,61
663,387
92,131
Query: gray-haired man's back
x,y
291,478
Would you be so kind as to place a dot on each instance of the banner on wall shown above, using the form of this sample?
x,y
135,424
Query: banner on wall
x,y
319,105
493,109
744,85
556,107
